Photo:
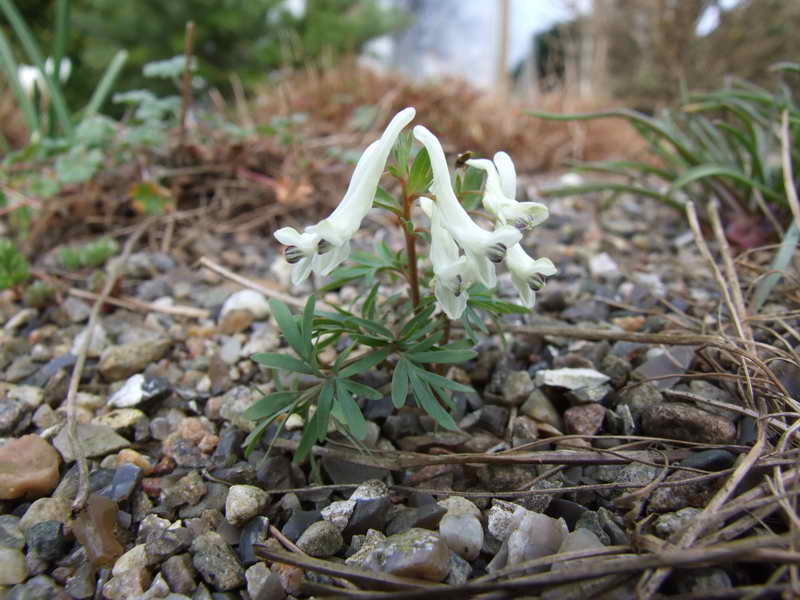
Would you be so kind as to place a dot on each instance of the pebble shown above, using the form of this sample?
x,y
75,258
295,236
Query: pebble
x,y
180,574
534,536
584,419
298,522
98,343
638,398
426,516
47,540
216,563
571,379
244,502
96,440
250,300
120,419
321,540
516,388
130,584
675,420
13,568
463,534
119,362
667,524
255,531
163,544
414,553
11,536
539,408
95,530
189,489
28,467
46,509
133,559
75,309
602,265
672,498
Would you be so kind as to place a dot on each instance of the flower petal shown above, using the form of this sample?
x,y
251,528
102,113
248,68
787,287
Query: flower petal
x,y
453,306
507,173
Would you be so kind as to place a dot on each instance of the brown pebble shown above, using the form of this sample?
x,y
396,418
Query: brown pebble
x,y
236,320
28,467
679,421
164,466
94,529
127,455
152,486
584,419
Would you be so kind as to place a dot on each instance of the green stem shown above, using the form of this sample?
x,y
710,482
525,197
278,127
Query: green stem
x,y
411,248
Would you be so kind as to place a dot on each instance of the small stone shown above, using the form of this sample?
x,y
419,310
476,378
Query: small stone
x,y
13,568
47,540
98,343
119,362
339,513
413,553
218,566
580,539
674,361
214,499
263,584
189,489
28,467
493,418
695,493
369,513
524,431
82,583
21,367
299,522
127,455
709,460
667,524
592,393
130,584
76,310
256,531
250,300
426,516
675,420
459,570
11,535
244,502
516,388
120,419
539,408
602,265
161,545
95,530
133,559
96,440
571,379
321,540
180,574
536,535
590,520
46,509
463,534
11,414
584,419
638,398
235,321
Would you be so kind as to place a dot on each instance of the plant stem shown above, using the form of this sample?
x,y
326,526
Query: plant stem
x,y
411,248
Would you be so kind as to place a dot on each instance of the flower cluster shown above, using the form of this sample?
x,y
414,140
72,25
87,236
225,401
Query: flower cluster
x,y
462,252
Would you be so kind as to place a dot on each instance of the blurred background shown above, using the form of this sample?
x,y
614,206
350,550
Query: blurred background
x,y
471,67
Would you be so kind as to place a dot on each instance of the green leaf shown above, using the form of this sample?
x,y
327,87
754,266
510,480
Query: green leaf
x,y
306,441
421,174
307,327
385,200
353,417
288,326
369,306
420,319
426,399
283,361
324,405
442,356
442,382
400,383
427,343
359,389
270,405
366,362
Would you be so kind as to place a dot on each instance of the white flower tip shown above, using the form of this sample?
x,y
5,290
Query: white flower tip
x,y
427,206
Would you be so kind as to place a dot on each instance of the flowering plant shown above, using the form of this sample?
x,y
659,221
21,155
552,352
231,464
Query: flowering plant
x,y
407,334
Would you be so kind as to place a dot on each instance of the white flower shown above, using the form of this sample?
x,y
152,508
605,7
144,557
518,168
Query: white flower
x,y
324,246
528,274
453,272
483,248
30,78
500,192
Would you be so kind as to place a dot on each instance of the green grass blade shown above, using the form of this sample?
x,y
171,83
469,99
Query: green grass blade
x,y
719,171
779,264
34,53
106,84
353,416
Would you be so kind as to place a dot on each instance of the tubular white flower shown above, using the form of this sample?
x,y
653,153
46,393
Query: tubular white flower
x,y
28,78
453,273
528,274
500,192
483,248
324,246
